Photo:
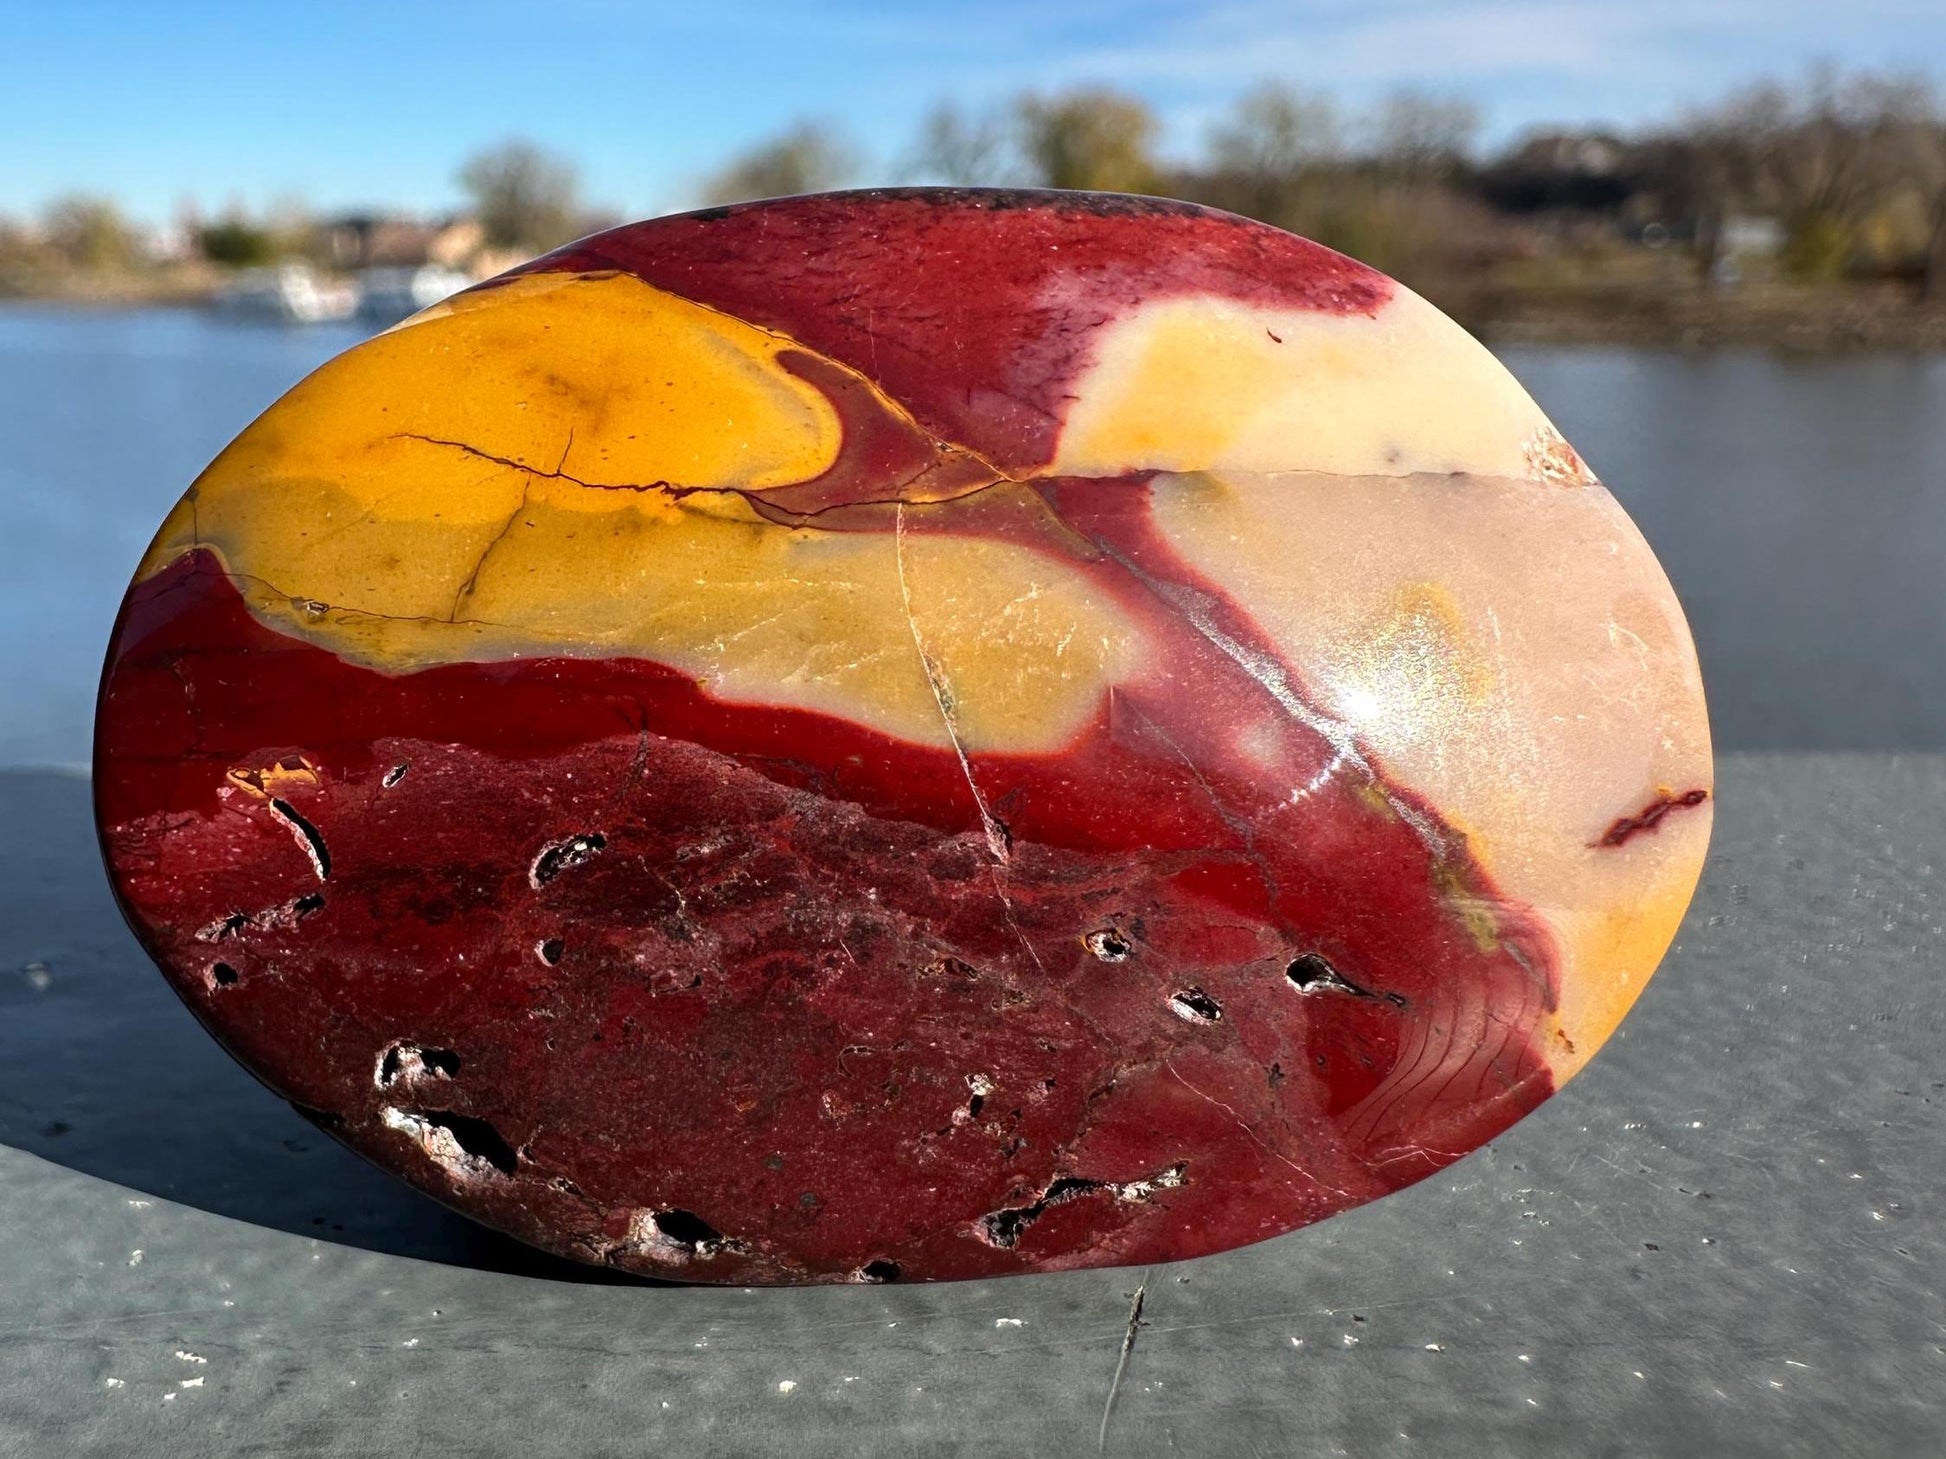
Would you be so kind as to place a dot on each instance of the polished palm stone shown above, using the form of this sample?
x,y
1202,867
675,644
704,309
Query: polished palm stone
x,y
907,735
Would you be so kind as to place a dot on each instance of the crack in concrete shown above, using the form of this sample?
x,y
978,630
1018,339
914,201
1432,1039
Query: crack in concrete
x,y
1121,1361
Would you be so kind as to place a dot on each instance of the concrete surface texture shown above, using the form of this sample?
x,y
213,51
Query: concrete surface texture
x,y
1725,1238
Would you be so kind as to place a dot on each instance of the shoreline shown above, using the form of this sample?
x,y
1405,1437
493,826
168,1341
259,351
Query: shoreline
x,y
1824,332
1835,320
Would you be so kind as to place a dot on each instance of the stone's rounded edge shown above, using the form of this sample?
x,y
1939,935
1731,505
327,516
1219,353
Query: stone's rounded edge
x,y
974,308
1402,1134
1069,201
1054,202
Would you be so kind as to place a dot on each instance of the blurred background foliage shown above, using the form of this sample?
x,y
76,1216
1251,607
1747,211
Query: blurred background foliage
x,y
1829,186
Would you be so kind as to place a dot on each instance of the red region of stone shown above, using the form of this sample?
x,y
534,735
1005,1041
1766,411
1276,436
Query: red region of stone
x,y
1650,816
741,993
975,310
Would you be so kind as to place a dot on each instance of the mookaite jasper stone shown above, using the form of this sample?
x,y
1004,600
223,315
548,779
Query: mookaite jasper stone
x,y
907,735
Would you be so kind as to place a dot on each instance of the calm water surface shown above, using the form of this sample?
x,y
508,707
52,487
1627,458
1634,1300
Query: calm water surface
x,y
1799,506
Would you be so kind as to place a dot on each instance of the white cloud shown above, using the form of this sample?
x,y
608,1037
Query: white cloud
x,y
1340,43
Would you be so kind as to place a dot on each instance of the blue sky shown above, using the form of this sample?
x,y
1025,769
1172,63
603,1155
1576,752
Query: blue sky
x,y
358,103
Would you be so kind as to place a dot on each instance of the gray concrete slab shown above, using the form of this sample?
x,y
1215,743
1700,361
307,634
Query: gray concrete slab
x,y
1725,1238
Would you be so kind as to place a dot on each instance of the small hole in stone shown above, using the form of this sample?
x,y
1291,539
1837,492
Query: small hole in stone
x,y
880,1271
1195,1005
551,950
1109,945
230,926
982,1086
1003,1228
1067,1186
558,856
412,1061
310,902
395,774
478,1139
223,975
1311,971
308,836
686,1228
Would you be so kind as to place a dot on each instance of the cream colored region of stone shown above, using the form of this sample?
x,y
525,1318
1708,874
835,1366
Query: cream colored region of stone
x,y
1513,654
1211,384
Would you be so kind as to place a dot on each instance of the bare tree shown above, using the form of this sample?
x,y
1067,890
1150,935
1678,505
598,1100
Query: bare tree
x,y
1822,158
1417,137
90,233
964,150
1265,153
808,158
526,198
1092,139
1930,149
1699,179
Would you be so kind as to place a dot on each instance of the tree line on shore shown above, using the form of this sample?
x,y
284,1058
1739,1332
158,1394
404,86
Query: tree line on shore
x,y
1836,176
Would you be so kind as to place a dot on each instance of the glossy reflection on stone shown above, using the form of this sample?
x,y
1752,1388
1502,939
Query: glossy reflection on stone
x,y
907,735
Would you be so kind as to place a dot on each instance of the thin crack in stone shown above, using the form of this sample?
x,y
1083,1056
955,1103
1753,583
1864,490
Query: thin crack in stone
x,y
270,590
557,474
1259,666
942,696
1239,826
770,510
1255,1138
1271,676
999,840
472,579
631,777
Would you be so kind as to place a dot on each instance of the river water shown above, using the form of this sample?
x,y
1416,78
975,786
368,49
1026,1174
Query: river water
x,y
1799,505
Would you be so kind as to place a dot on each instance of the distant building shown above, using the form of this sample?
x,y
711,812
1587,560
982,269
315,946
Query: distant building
x,y
172,242
1577,172
1572,154
376,240
1745,236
